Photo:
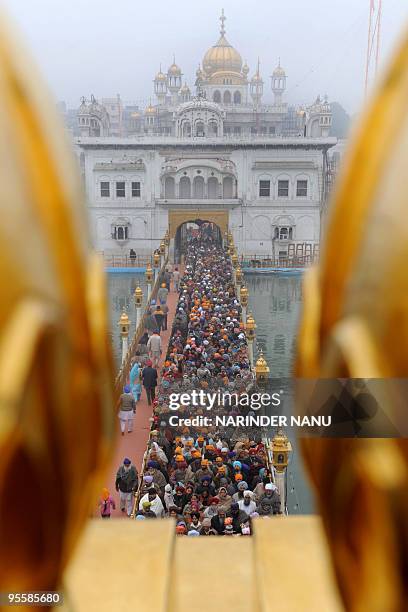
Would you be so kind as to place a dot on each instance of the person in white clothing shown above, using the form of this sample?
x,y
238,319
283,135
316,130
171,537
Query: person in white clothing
x,y
247,504
154,347
156,503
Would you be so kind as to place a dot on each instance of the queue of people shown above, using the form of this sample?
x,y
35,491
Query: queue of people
x,y
211,481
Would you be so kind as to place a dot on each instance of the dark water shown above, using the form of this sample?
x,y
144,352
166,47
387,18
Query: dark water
x,y
121,287
275,303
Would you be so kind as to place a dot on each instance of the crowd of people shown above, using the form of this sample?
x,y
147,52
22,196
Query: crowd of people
x,y
212,481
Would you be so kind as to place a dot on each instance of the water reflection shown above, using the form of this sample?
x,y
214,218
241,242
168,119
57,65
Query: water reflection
x,y
121,288
276,303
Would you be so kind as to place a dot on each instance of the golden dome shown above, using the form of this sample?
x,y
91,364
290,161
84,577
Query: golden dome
x,y
245,69
185,88
222,57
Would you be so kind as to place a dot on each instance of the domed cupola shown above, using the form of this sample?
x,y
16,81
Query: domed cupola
x,y
223,62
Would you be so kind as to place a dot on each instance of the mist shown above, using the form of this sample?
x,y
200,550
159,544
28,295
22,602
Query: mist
x,y
105,48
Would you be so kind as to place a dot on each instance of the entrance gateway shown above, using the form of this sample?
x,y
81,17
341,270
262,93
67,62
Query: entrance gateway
x,y
178,217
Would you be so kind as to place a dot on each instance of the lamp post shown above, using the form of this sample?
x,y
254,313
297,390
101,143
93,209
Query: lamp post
x,y
162,250
238,279
166,243
124,325
281,449
156,265
243,295
138,295
250,328
234,261
149,280
261,369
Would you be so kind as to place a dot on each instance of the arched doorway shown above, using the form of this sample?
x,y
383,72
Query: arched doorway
x,y
189,230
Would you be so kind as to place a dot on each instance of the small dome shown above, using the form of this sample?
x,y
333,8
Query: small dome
x,y
185,88
257,78
279,71
150,110
160,76
174,70
245,69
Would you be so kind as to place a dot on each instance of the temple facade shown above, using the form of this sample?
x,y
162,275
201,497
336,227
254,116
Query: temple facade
x,y
220,155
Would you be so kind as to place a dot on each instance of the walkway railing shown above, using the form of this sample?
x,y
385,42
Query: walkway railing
x,y
119,260
281,262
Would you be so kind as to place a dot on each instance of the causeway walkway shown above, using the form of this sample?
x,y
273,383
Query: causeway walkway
x,y
133,445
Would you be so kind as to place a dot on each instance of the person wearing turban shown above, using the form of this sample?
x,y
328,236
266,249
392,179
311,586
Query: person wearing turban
x,y
106,504
127,410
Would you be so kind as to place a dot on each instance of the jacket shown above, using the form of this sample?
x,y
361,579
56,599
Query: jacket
x,y
154,343
105,506
127,402
126,480
162,294
149,377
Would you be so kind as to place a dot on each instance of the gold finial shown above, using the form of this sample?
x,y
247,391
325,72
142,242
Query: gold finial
x,y
281,449
149,274
124,324
250,327
223,20
261,368
138,295
243,295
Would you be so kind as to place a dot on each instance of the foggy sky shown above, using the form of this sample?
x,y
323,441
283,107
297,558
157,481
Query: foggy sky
x,y
105,47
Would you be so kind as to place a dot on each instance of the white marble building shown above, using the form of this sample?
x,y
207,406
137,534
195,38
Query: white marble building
x,y
222,156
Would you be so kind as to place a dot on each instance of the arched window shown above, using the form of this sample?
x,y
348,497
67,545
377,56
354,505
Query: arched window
x,y
199,128
212,187
169,187
227,97
186,128
185,188
212,128
227,187
217,96
237,97
199,187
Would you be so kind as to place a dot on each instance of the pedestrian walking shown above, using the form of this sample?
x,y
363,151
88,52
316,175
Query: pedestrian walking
x,y
135,379
165,310
159,316
127,410
106,504
149,379
126,484
154,348
162,293
176,280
